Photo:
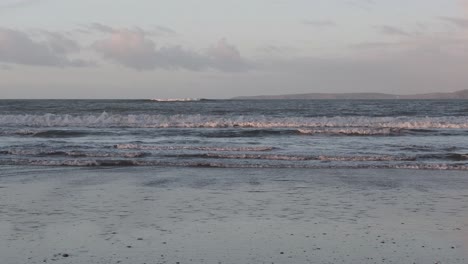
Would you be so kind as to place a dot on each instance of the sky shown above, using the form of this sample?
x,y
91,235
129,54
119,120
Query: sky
x,y
226,48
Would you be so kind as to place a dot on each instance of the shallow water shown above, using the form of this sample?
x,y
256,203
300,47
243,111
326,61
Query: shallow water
x,y
210,215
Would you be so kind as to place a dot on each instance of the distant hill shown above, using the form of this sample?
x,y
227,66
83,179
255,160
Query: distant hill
x,y
463,94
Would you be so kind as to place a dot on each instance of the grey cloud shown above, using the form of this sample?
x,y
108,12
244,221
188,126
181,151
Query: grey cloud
x,y
16,3
361,4
19,48
390,30
274,50
226,57
61,44
5,67
128,47
101,28
461,22
164,29
135,49
434,64
176,57
319,23
155,30
373,45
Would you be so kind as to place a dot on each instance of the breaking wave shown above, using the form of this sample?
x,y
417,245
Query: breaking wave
x,y
200,148
176,100
386,124
126,163
33,152
294,157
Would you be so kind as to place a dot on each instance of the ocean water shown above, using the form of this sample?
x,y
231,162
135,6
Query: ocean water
x,y
325,134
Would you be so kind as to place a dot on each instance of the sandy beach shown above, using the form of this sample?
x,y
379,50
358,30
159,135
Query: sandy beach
x,y
183,215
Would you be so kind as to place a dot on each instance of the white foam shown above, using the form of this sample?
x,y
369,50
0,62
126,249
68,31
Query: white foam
x,y
351,131
364,158
301,157
258,156
431,167
176,100
200,121
92,162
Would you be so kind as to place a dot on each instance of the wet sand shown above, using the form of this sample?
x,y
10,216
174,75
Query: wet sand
x,y
196,215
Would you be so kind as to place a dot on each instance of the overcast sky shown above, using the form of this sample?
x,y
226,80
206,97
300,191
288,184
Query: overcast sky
x,y
225,48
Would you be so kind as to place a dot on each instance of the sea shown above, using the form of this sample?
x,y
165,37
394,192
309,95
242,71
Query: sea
x,y
311,134
233,181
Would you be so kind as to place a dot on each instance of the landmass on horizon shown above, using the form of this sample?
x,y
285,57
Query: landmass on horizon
x,y
462,94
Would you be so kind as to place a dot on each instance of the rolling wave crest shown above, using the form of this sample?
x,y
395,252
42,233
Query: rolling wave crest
x,y
201,121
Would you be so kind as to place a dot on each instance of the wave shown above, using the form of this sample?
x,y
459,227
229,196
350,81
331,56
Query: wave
x,y
200,148
27,152
353,131
239,133
55,133
293,157
201,121
446,156
177,100
134,163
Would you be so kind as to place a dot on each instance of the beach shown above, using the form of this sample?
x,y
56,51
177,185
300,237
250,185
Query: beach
x,y
209,215
234,132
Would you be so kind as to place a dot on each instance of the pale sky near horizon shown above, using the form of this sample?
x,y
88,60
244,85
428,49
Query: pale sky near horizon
x,y
226,48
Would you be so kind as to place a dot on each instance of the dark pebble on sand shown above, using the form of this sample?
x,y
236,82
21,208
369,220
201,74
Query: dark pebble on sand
x,y
281,253
129,246
65,255
139,238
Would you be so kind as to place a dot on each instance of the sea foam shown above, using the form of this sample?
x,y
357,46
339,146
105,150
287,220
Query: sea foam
x,y
209,121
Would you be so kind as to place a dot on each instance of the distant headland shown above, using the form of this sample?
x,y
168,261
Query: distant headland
x,y
463,94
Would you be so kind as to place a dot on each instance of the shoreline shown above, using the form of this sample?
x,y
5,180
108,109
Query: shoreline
x,y
187,215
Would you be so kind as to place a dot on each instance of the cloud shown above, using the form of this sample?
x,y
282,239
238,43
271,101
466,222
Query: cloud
x,y
16,3
276,50
436,63
464,4
390,30
101,28
19,48
134,48
128,47
60,44
362,4
5,67
372,45
319,23
226,57
155,31
164,29
460,22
